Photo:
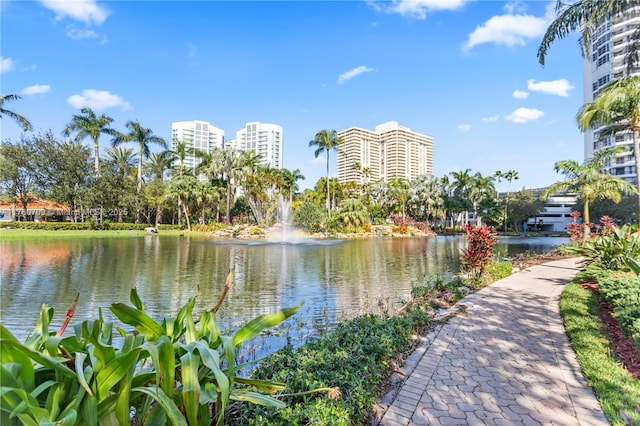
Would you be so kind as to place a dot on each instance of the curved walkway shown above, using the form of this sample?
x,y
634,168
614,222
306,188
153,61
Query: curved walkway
x,y
507,361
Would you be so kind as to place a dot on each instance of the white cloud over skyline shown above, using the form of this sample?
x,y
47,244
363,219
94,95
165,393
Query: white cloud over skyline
x,y
87,11
98,100
348,75
523,115
559,87
36,89
6,64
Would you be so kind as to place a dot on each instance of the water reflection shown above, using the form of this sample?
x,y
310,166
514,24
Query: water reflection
x,y
336,280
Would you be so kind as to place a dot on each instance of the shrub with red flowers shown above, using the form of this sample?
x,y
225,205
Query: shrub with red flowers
x,y
575,228
477,255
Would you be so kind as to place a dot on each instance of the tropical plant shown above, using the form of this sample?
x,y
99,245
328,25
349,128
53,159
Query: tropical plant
x,y
180,370
144,138
22,121
353,213
182,188
480,188
88,124
586,16
508,176
589,182
617,108
475,258
309,216
326,140
618,250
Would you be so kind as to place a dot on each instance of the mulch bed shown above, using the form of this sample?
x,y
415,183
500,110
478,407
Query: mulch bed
x,y
624,347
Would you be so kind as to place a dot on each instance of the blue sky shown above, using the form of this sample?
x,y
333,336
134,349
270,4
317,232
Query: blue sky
x,y
464,72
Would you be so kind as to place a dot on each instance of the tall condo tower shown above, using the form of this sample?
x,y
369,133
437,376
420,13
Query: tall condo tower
x,y
264,139
391,151
198,135
606,62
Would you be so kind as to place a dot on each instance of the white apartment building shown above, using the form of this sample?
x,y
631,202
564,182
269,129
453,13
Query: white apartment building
x,y
605,63
391,151
264,139
199,135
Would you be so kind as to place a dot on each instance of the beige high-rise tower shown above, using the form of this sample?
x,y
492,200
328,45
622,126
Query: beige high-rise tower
x,y
391,151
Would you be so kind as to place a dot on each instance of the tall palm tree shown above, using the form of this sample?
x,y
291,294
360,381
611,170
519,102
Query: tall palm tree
x,y
583,15
481,187
589,182
290,181
326,140
617,108
88,124
508,176
460,187
226,163
22,121
143,137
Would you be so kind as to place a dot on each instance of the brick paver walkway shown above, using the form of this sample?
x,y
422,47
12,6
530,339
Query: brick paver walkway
x,y
507,362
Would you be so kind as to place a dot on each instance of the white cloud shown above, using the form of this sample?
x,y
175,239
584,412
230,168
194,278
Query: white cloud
x,y
415,9
464,127
348,75
523,115
319,160
491,118
87,11
36,89
84,34
556,87
98,100
6,64
509,30
520,94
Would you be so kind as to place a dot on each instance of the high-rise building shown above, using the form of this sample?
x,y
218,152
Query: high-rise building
x,y
606,62
264,139
391,151
198,135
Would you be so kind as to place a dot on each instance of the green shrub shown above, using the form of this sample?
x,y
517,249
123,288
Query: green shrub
x,y
81,226
623,292
498,270
352,358
179,371
309,217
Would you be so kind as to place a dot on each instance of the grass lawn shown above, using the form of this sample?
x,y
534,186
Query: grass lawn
x,y
617,391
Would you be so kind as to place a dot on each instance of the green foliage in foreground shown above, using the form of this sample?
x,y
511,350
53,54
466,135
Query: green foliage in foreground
x,y
615,388
623,292
352,358
497,271
180,371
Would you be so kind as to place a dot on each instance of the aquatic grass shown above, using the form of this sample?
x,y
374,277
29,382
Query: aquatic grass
x,y
617,391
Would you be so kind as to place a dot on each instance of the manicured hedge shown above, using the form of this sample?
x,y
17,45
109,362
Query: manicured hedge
x,y
623,292
78,226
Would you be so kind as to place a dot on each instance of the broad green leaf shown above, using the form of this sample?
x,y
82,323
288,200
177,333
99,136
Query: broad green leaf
x,y
123,406
189,364
258,398
140,320
256,325
59,364
262,385
112,373
80,371
167,404
135,299
211,359
9,354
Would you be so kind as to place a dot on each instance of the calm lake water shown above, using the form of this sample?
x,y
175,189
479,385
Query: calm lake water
x,y
335,279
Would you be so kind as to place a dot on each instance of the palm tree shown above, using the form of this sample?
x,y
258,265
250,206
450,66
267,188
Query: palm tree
x,y
155,167
326,140
481,187
22,121
182,187
227,163
461,186
290,181
88,124
353,212
143,137
589,182
508,176
585,15
617,108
